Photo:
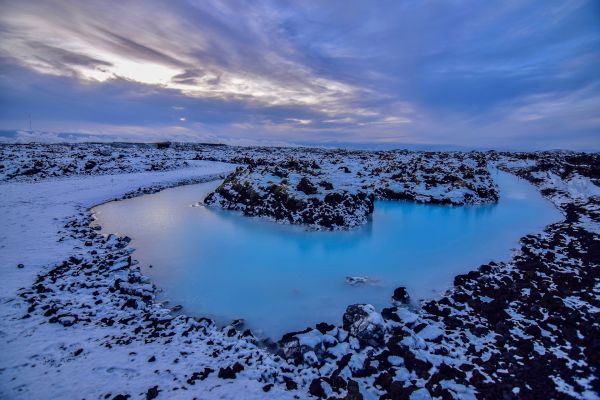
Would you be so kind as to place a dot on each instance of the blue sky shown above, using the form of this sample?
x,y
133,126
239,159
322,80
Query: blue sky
x,y
507,74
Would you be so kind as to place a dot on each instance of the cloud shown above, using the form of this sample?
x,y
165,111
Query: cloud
x,y
198,55
452,72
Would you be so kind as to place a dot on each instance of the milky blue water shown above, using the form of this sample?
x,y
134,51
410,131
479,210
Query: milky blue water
x,y
281,278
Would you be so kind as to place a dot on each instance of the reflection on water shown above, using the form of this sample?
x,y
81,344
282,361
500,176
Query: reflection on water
x,y
281,278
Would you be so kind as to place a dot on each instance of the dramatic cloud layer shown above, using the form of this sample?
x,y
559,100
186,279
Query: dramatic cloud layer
x,y
471,73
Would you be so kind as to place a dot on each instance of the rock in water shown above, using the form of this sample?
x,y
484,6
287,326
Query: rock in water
x,y
401,295
364,323
356,280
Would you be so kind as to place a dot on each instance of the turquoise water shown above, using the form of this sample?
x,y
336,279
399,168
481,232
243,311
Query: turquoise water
x,y
281,278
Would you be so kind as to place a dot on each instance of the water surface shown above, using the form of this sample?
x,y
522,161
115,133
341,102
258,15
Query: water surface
x,y
281,278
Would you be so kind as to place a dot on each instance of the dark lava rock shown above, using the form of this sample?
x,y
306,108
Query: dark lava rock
x,y
290,345
401,295
130,303
389,314
326,185
231,372
200,375
267,387
163,145
65,320
398,391
316,389
306,186
352,391
333,199
364,323
90,164
290,384
324,327
152,393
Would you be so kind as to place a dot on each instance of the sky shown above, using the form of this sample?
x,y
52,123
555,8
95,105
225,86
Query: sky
x,y
521,74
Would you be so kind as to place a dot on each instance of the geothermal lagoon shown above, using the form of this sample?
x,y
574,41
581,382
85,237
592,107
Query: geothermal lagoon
x,y
280,278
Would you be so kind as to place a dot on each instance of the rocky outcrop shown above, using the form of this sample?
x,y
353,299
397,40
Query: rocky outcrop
x,y
364,323
401,295
277,200
285,189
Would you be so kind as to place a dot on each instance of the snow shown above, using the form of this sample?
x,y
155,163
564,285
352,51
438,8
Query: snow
x,y
48,360
431,332
33,366
420,394
33,213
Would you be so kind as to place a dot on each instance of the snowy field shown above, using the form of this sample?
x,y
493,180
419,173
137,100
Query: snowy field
x,y
79,320
49,361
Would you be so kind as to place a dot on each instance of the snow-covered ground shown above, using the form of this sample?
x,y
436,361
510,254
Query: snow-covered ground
x,y
78,320
39,360
32,213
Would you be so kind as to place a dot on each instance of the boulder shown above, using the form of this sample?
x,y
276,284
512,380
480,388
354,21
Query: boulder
x,y
316,389
356,280
306,186
230,372
290,345
364,323
401,295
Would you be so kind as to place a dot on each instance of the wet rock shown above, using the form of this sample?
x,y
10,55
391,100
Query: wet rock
x,y
238,323
401,295
356,280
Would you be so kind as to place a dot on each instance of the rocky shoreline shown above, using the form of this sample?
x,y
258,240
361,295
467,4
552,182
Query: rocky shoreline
x,y
527,328
328,191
